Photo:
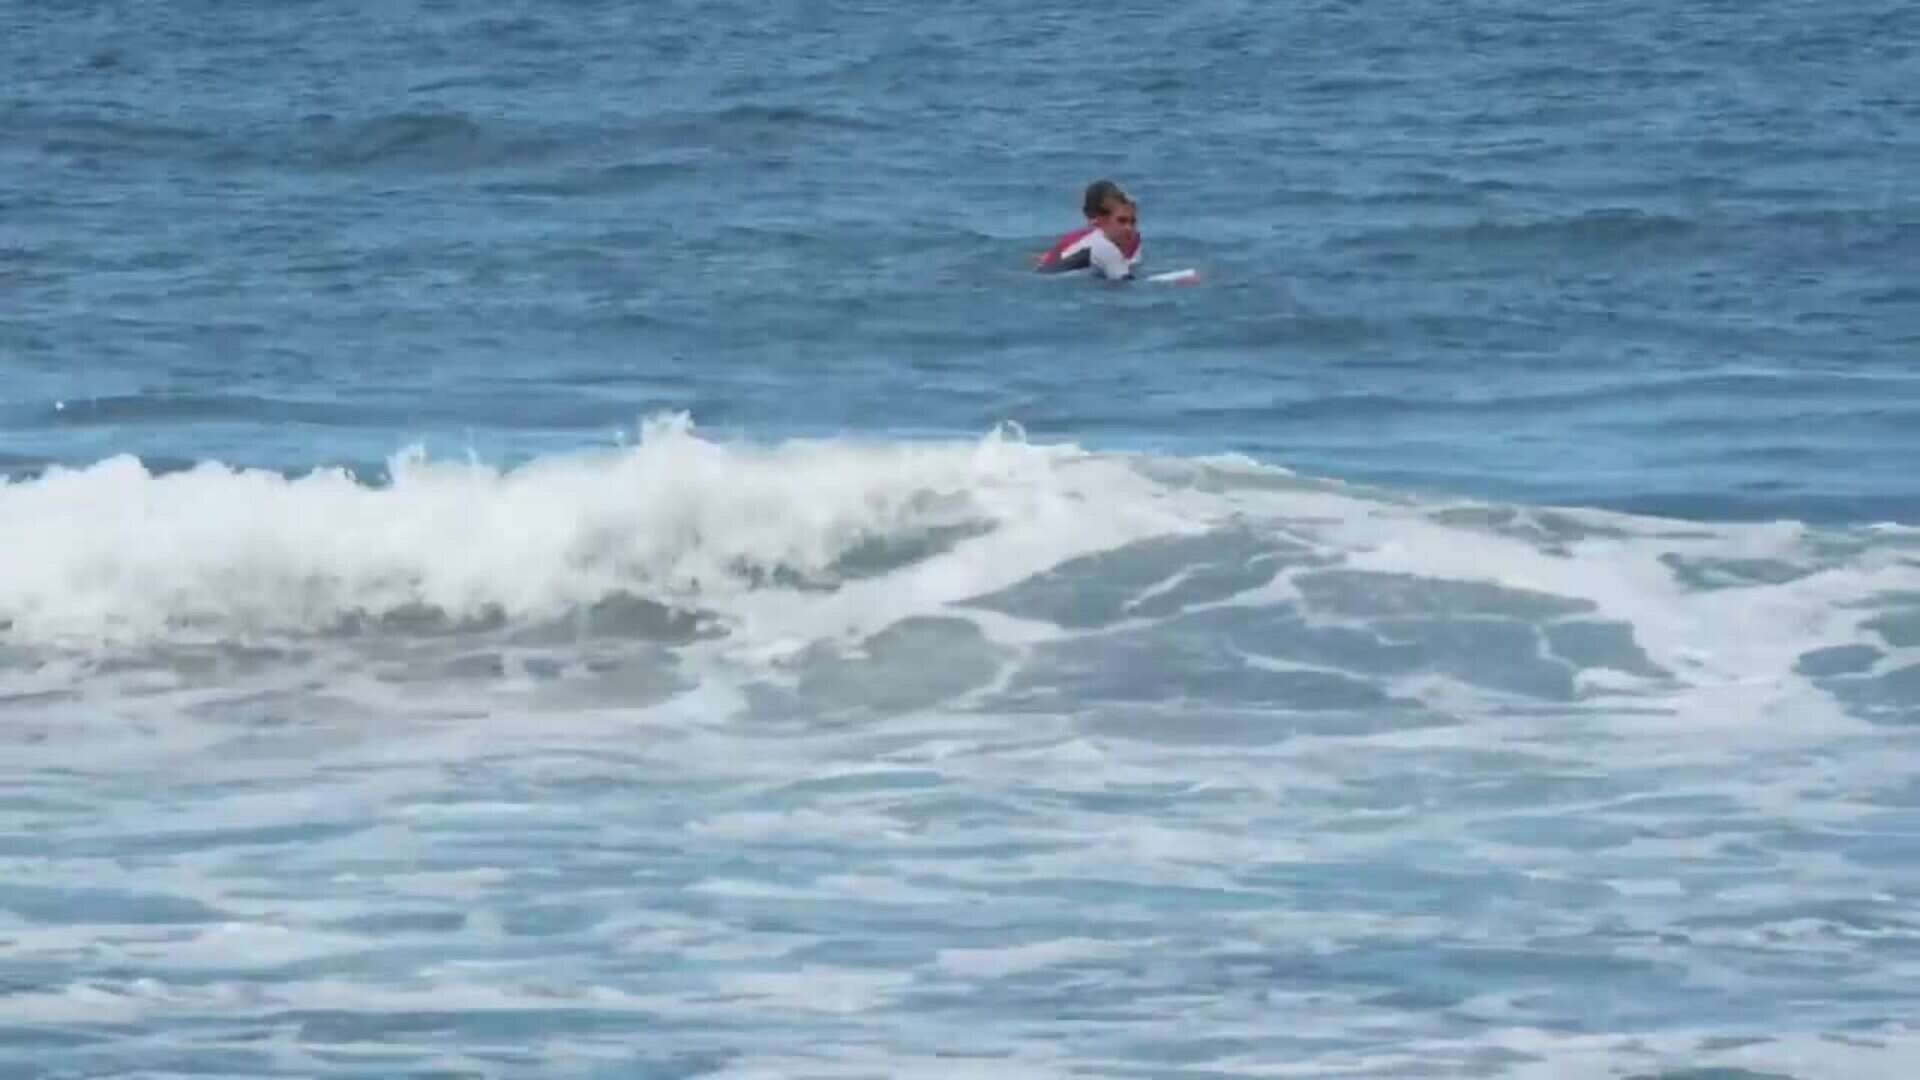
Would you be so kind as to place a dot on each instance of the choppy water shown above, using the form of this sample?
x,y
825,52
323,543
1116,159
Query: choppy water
x,y
557,540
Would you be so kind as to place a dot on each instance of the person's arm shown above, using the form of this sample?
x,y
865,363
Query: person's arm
x,y
1109,262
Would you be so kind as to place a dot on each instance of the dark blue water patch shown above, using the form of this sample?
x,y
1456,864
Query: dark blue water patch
x,y
179,842
1439,975
1489,780
1364,594
1606,984
1199,670
914,664
1276,708
892,952
1895,296
1890,696
602,181
490,1025
1713,1073
1881,917
194,408
1594,644
1635,398
1708,573
1099,892
1232,635
100,1056
1290,330
1592,234
1148,579
1837,660
1658,806
1185,1058
623,616
1548,529
879,555
549,919
1893,849
1821,426
395,923
1122,999
754,122
20,1037
18,467
527,32
1497,654
75,906
408,141
1899,629
83,136
887,780
1561,833
684,1065
1812,508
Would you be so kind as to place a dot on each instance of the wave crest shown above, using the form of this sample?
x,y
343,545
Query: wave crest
x,y
116,551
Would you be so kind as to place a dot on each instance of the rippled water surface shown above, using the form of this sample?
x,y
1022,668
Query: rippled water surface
x,y
564,540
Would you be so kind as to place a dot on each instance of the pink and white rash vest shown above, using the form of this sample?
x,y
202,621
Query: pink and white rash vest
x,y
1089,247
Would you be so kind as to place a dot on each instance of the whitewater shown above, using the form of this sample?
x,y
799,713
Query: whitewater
x,y
845,757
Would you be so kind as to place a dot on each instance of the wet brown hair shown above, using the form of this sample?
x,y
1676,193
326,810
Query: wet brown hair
x,y
1099,194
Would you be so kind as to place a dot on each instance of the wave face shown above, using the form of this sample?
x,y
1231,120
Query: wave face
x,y
894,736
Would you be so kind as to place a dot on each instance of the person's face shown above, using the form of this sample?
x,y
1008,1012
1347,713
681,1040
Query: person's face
x,y
1120,222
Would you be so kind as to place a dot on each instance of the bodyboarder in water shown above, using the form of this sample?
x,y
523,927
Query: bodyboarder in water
x,y
1108,244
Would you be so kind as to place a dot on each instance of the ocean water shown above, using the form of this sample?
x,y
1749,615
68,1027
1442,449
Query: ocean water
x,y
552,540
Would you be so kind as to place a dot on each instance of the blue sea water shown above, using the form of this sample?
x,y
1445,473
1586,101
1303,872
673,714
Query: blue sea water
x,y
565,540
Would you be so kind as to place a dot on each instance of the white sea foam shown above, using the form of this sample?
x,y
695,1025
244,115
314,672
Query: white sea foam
x,y
1238,769
814,540
115,552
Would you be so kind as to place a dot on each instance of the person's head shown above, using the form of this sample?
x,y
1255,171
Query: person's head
x,y
1113,211
1120,220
